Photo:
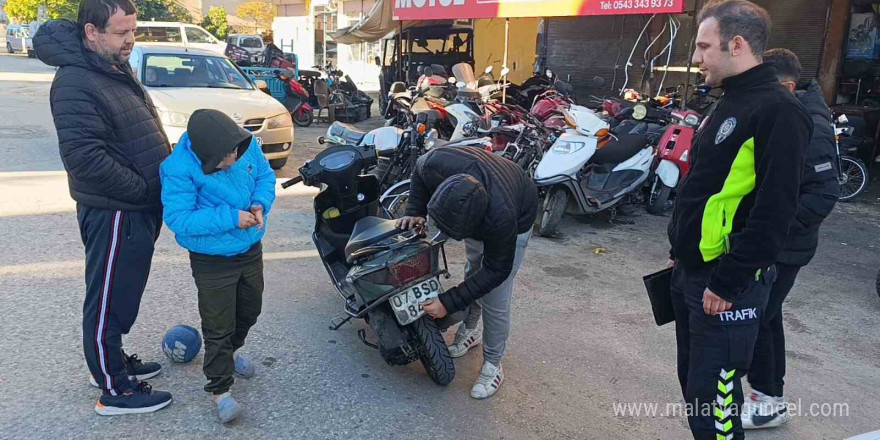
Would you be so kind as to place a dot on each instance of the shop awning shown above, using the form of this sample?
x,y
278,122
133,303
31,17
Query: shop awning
x,y
378,24
466,9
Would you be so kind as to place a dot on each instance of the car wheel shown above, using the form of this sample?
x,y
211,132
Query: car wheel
x,y
277,164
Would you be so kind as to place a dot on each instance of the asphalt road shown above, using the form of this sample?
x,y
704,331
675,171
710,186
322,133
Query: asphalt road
x,y
582,338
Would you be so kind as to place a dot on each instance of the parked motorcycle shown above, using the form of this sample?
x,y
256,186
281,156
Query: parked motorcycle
x,y
852,172
591,166
673,154
382,273
302,112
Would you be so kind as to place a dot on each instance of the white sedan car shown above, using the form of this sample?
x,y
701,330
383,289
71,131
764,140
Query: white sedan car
x,y
181,81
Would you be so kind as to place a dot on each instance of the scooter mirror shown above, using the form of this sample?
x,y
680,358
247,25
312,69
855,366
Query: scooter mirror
x,y
420,70
505,71
598,81
568,78
549,73
488,70
451,80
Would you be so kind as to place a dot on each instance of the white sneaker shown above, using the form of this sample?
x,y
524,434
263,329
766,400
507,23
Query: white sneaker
x,y
489,381
763,411
465,339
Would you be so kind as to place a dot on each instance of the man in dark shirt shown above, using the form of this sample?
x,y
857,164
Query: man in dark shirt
x,y
491,204
765,406
111,142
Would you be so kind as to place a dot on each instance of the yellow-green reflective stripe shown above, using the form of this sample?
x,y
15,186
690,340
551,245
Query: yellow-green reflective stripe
x,y
721,208
723,401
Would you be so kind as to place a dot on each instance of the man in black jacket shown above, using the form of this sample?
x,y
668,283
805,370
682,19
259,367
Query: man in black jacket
x,y
765,406
732,214
111,143
489,202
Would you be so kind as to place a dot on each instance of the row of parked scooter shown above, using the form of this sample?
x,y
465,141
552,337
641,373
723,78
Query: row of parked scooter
x,y
618,152
584,160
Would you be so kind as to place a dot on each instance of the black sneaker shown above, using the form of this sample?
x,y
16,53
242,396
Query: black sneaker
x,y
142,399
136,369
139,369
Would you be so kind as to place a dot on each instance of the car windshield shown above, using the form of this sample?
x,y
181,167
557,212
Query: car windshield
x,y
173,70
453,43
251,43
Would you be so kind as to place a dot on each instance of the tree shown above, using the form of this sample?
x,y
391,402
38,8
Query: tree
x,y
162,10
26,10
215,22
261,13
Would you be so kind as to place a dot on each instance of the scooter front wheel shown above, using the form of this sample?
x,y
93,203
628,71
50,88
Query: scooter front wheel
x,y
554,208
878,283
660,194
435,355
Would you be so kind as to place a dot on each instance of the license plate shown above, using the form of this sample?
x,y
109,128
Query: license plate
x,y
407,304
259,140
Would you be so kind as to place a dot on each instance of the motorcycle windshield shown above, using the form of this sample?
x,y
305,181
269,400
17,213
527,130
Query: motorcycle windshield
x,y
463,72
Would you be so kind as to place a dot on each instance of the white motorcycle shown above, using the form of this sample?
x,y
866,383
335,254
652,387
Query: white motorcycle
x,y
589,169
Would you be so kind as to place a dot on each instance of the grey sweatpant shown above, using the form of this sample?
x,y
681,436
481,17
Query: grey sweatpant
x,y
495,305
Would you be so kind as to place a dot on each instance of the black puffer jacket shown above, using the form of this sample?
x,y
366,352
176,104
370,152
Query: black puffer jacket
x,y
819,188
509,206
109,133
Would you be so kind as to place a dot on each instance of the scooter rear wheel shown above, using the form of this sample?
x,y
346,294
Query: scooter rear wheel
x,y
303,119
435,355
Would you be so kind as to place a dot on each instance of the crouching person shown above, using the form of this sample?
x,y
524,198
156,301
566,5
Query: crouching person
x,y
218,189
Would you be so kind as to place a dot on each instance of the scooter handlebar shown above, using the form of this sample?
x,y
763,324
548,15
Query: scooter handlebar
x,y
291,182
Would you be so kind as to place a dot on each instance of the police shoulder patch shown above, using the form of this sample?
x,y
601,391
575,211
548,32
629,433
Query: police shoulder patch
x,y
725,130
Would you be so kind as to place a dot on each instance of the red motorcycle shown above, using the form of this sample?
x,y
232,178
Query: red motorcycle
x,y
672,164
297,102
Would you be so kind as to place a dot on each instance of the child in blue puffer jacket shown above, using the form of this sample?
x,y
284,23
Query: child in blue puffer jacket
x,y
217,192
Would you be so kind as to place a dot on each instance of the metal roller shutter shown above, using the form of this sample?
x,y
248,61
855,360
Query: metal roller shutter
x,y
799,25
585,47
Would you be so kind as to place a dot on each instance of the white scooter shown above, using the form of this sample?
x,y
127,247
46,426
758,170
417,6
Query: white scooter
x,y
590,166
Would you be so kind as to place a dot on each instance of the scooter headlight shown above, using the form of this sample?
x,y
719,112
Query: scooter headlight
x,y
567,147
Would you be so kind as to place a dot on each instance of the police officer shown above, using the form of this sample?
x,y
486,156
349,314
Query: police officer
x,y
732,214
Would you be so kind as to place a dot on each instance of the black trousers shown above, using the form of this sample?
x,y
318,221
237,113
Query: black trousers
x,y
230,300
119,249
768,364
714,352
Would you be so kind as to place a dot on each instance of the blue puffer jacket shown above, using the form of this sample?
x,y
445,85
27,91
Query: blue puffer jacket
x,y
202,209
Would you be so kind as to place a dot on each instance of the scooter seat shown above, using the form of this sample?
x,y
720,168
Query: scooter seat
x,y
369,231
617,151
349,133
